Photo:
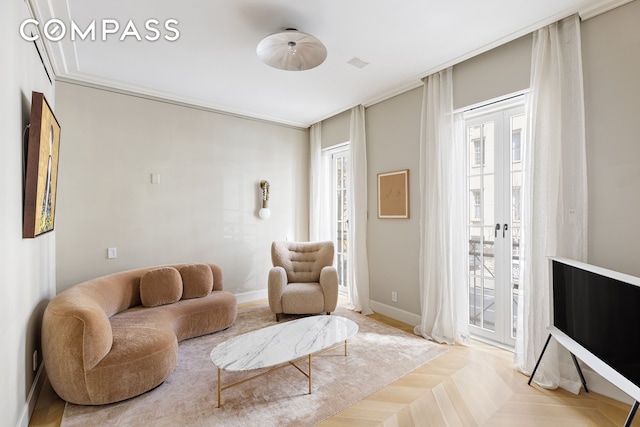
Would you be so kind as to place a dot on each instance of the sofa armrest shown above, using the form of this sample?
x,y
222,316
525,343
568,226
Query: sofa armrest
x,y
329,285
76,336
91,338
277,282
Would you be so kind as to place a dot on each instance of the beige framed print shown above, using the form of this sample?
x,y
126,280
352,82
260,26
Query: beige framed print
x,y
393,194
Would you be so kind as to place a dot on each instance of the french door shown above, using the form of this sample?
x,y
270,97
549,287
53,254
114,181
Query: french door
x,y
340,213
494,137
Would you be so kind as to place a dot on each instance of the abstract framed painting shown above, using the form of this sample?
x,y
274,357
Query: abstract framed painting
x,y
393,194
41,169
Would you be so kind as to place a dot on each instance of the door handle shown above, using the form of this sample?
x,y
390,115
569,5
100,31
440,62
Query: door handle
x,y
495,234
504,229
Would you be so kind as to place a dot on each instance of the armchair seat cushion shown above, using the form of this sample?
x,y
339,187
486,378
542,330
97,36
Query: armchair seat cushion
x,y
301,298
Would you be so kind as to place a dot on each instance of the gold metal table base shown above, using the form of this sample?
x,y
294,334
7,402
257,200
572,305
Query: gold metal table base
x,y
292,363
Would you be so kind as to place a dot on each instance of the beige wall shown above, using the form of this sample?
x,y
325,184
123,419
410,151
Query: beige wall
x,y
393,135
496,73
393,143
335,130
611,61
27,265
205,206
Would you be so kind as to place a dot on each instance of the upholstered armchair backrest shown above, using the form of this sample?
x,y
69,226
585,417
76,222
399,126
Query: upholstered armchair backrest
x,y
302,261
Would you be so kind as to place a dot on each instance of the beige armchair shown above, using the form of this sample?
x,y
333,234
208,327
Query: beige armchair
x,y
303,279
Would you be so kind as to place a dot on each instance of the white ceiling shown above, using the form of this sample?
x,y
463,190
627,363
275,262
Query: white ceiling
x,y
213,63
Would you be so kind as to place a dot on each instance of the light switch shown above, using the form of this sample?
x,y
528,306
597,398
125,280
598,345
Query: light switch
x,y
155,178
112,253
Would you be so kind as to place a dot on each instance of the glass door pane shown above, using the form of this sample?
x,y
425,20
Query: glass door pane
x,y
516,131
341,221
480,227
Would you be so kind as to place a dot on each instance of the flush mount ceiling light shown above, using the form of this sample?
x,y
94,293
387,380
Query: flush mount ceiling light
x,y
291,50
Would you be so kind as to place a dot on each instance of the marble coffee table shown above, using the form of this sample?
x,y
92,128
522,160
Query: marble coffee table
x,y
281,345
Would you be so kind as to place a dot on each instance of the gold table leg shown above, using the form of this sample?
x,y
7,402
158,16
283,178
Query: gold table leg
x,y
309,374
293,363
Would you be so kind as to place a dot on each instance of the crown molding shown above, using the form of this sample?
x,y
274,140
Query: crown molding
x,y
170,98
601,7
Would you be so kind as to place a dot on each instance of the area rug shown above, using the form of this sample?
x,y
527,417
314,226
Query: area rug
x,y
377,355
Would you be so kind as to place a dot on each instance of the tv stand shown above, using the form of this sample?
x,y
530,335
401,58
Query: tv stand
x,y
587,357
575,362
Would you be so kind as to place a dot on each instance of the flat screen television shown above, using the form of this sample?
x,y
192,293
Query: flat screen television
x,y
599,309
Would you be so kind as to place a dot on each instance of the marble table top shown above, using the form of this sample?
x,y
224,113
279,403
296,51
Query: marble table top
x,y
281,343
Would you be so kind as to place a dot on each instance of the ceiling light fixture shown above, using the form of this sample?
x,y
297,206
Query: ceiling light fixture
x,y
291,50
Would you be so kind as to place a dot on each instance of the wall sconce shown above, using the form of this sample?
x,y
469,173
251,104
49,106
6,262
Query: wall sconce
x,y
264,212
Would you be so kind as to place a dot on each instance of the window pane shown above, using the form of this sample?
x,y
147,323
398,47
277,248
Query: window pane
x,y
515,300
488,305
474,149
517,126
488,147
488,260
340,209
488,201
475,301
516,146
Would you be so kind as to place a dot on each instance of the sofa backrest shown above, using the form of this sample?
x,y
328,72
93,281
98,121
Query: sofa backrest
x,y
120,291
302,261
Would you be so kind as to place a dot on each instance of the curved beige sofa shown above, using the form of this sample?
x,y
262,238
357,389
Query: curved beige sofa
x,y
115,337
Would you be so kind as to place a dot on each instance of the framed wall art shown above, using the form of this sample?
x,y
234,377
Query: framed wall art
x,y
41,169
393,194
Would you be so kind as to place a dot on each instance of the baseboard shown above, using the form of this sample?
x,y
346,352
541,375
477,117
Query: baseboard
x,y
600,385
395,313
32,398
378,307
251,296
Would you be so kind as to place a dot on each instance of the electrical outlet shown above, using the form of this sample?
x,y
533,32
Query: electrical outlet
x,y
394,296
35,360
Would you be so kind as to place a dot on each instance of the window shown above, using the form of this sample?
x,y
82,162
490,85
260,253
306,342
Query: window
x,y
515,204
478,152
477,204
494,138
338,186
515,144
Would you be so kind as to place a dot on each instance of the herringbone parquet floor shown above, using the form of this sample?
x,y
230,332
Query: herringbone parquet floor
x,y
477,386
467,386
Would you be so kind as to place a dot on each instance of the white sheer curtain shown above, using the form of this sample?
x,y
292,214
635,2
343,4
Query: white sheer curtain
x,y
319,202
443,291
358,263
555,193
